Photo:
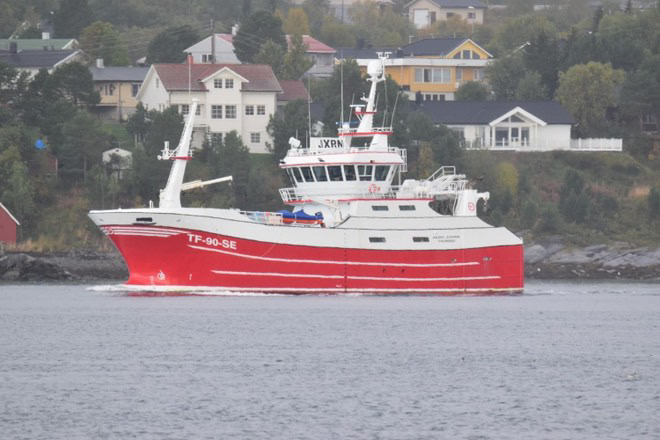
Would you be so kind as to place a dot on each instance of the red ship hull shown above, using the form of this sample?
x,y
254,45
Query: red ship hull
x,y
187,258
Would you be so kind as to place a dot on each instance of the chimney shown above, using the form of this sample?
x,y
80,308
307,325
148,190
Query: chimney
x,y
191,60
99,63
13,47
234,30
45,35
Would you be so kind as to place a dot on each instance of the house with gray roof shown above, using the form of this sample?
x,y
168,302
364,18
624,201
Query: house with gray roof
x,y
33,60
424,13
512,125
118,87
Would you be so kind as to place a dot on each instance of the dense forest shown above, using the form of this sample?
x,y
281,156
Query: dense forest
x,y
602,64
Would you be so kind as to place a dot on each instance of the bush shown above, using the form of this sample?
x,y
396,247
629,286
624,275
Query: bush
x,y
529,214
654,203
550,220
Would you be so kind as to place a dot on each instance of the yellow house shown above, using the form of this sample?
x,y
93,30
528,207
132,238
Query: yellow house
x,y
431,69
118,87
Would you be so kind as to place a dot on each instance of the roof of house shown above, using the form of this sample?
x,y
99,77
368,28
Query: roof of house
x,y
36,58
260,77
292,90
425,47
133,74
484,112
313,45
38,43
433,46
3,208
454,4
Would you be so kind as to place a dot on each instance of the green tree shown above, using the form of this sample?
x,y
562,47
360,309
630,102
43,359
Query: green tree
x,y
336,34
296,61
235,162
18,194
84,143
543,56
472,91
72,17
101,40
587,90
168,46
292,121
641,90
254,32
573,198
530,88
73,82
379,27
504,75
316,11
623,41
296,22
518,31
274,55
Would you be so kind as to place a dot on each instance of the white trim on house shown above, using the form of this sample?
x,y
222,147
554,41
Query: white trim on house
x,y
522,112
9,214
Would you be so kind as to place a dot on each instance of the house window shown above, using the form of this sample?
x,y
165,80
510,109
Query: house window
x,y
450,14
472,15
108,89
439,75
478,74
467,54
157,83
255,138
198,111
216,137
249,110
216,112
229,83
184,109
135,88
261,110
217,83
459,75
205,58
432,16
230,111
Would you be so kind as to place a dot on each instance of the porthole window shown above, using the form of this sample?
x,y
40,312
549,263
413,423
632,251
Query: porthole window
x,y
379,208
377,239
421,239
406,207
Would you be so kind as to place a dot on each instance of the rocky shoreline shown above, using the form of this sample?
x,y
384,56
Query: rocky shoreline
x,y
549,259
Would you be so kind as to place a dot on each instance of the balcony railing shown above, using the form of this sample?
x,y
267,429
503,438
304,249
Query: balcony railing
x,y
589,144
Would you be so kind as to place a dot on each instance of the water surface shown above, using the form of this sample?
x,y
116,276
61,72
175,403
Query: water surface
x,y
564,360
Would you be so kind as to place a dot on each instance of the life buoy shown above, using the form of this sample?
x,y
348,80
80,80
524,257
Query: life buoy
x,y
471,206
373,188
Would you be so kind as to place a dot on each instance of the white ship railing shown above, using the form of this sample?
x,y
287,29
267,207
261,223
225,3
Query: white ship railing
x,y
264,217
301,152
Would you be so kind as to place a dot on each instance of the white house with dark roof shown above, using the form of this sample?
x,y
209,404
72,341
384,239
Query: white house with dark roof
x,y
239,97
222,45
33,60
425,13
512,125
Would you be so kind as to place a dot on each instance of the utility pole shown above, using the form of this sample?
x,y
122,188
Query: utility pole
x,y
212,43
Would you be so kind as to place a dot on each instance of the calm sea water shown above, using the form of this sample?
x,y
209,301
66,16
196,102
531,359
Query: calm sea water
x,y
562,361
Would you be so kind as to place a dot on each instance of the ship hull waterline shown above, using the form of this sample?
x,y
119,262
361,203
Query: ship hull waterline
x,y
166,257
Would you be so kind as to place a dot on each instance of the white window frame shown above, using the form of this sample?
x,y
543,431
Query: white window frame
x,y
249,110
261,110
216,112
255,137
230,112
217,83
229,83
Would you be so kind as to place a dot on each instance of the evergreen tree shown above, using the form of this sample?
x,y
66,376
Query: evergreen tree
x,y
72,17
101,40
168,46
296,61
254,32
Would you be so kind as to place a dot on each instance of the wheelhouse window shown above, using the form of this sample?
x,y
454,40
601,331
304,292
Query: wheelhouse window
x,y
320,174
365,172
335,173
289,172
349,172
307,174
297,175
381,172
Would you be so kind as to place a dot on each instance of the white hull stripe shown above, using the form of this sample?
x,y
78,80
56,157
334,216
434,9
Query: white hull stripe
x,y
348,263
140,231
296,275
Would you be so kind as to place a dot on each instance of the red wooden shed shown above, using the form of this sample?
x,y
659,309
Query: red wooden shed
x,y
8,226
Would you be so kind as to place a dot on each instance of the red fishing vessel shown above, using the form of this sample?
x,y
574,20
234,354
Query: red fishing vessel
x,y
351,230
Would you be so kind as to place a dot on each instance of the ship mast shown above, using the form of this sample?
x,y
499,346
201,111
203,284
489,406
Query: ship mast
x,y
170,196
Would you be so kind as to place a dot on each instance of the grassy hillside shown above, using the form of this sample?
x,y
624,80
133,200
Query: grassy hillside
x,y
585,197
